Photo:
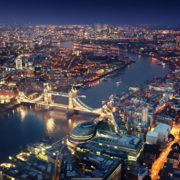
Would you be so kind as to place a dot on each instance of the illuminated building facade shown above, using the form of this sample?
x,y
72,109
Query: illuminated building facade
x,y
123,142
18,62
152,137
159,134
26,166
94,167
81,133
145,114
101,150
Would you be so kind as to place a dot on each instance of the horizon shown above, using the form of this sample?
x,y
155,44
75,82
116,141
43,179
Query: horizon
x,y
135,25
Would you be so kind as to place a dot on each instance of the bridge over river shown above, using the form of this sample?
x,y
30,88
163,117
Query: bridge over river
x,y
45,99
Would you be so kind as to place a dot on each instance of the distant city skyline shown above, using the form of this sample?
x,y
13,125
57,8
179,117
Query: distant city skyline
x,y
160,12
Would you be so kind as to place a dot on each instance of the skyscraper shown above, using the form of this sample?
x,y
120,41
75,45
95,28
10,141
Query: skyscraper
x,y
145,114
97,27
18,62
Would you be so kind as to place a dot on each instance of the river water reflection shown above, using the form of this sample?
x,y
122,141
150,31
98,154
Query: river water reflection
x,y
23,125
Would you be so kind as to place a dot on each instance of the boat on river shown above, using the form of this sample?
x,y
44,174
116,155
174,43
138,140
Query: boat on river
x,y
118,83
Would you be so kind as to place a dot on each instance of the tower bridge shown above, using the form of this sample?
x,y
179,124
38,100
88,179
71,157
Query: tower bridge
x,y
74,102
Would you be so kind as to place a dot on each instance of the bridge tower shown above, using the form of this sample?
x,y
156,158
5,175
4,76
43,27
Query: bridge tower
x,y
47,96
71,95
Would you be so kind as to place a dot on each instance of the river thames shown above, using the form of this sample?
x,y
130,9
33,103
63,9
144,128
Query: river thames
x,y
23,125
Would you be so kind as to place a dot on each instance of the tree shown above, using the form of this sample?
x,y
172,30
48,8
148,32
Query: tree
x,y
170,137
175,146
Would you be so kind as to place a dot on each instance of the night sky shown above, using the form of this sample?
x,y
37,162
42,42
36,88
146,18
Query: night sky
x,y
161,12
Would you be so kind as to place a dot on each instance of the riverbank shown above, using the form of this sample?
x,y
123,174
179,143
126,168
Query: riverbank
x,y
8,106
114,70
171,65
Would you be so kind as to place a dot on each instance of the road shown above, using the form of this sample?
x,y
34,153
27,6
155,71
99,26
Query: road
x,y
159,163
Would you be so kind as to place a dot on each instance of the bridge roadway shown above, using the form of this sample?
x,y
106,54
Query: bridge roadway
x,y
83,106
77,103
63,94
